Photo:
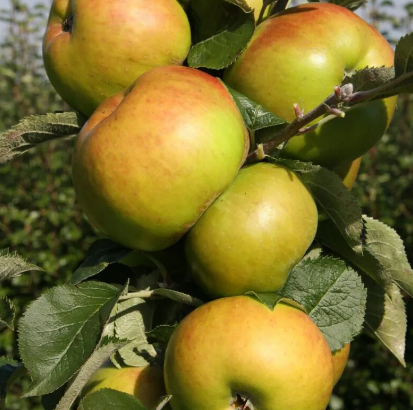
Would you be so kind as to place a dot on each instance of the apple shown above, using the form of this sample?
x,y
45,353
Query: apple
x,y
94,49
298,56
348,172
145,383
279,358
340,359
151,159
253,234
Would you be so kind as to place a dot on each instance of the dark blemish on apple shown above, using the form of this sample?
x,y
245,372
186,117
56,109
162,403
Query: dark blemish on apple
x,y
68,24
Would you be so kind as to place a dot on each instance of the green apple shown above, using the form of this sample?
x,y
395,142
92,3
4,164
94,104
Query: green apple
x,y
298,56
94,49
348,172
340,359
145,383
253,234
279,358
152,159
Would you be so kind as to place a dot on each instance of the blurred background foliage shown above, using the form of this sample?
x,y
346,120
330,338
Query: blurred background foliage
x,y
40,220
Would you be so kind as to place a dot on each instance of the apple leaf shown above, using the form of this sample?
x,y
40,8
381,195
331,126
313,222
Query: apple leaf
x,y
349,4
387,248
161,335
386,317
109,399
131,319
331,238
403,58
255,116
8,371
332,294
333,198
36,129
7,313
220,48
12,265
369,78
61,329
101,254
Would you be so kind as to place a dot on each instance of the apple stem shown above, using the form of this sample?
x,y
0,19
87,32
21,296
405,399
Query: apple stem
x,y
341,95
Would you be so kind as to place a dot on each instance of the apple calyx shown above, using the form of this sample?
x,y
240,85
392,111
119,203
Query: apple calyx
x,y
68,24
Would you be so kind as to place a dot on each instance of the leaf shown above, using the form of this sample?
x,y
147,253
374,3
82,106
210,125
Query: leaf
x,y
12,265
161,334
332,294
60,330
369,78
387,247
177,296
106,348
349,4
222,48
7,313
331,238
333,198
386,318
403,57
255,116
109,399
132,318
36,129
102,253
8,368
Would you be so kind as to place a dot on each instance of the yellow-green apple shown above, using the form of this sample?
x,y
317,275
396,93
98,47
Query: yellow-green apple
x,y
145,383
94,49
152,158
253,234
279,358
348,172
340,359
298,56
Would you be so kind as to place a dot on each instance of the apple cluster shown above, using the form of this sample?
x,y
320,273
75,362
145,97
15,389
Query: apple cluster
x,y
161,159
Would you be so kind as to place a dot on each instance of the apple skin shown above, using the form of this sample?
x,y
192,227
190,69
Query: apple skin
x,y
278,358
100,51
340,359
253,234
145,383
151,159
348,172
298,56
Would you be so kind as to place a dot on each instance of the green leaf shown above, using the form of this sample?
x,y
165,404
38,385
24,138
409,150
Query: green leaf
x,y
177,297
331,238
332,294
101,254
255,116
7,313
369,78
131,319
386,318
333,198
161,334
348,4
36,129
387,248
12,265
60,330
8,368
108,399
220,48
403,58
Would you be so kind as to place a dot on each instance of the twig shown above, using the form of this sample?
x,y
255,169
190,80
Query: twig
x,y
342,94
